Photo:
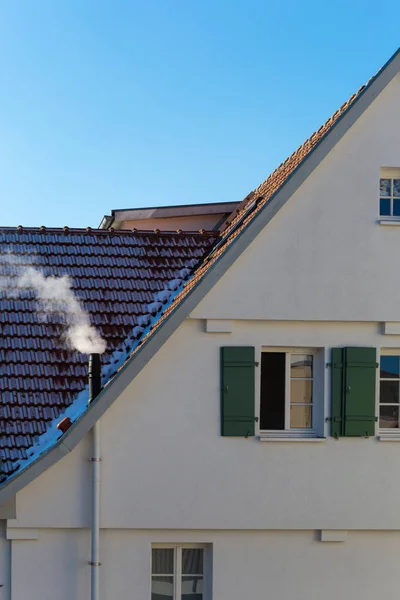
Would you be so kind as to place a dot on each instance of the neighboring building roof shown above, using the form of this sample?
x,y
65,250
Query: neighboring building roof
x,y
118,277
120,216
251,217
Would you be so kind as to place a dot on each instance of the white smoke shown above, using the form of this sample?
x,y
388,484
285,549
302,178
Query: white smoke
x,y
55,296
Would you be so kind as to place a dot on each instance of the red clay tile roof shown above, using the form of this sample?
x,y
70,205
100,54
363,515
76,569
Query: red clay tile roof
x,y
116,274
108,274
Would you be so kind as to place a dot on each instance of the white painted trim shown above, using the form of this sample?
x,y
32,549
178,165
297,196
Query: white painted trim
x,y
290,349
390,221
389,172
218,326
386,434
287,391
288,431
333,535
15,533
174,545
390,328
269,438
177,574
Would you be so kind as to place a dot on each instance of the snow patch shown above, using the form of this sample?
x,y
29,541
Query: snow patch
x,y
47,439
138,330
174,284
117,360
154,307
163,296
144,320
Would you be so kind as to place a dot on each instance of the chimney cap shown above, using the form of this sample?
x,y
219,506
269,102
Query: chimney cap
x,y
64,424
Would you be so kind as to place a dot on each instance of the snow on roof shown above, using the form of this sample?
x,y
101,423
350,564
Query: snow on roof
x,y
124,281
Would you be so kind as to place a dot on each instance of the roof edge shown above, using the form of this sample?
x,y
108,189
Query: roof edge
x,y
162,212
149,348
106,222
254,193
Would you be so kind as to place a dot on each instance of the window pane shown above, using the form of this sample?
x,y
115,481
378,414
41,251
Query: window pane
x,y
389,393
300,390
396,187
300,417
162,588
162,561
192,587
384,207
272,405
396,208
192,561
389,417
385,187
389,367
301,365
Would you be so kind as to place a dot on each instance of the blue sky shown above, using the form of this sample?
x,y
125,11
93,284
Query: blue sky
x,y
125,103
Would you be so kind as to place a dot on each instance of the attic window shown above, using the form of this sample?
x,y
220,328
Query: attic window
x,y
389,193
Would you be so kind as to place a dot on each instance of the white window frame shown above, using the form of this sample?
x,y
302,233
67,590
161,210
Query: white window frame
x,y
295,433
389,173
387,432
177,574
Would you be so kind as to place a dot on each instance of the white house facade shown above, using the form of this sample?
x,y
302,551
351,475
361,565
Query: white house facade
x,y
254,453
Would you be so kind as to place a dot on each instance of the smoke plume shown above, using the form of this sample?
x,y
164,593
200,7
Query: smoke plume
x,y
55,296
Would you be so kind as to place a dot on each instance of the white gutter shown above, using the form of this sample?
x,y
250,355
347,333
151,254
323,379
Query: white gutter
x,y
95,553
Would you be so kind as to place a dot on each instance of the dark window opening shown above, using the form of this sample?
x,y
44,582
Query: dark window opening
x,y
272,405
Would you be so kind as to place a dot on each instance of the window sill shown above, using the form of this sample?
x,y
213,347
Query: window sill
x,y
273,438
394,437
389,221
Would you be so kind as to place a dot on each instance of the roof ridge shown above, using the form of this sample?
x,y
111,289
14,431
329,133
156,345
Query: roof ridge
x,y
103,232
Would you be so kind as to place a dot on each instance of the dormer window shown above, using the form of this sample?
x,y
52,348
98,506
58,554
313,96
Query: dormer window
x,y
389,193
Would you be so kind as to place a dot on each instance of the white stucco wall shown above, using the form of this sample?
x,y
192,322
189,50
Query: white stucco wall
x,y
55,566
322,274
322,259
5,564
324,256
279,565
165,465
60,497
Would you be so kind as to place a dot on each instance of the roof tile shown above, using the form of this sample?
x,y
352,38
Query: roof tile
x,y
116,275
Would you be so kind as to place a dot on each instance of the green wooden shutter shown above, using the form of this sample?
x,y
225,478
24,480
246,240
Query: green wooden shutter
x,y
353,391
360,385
237,391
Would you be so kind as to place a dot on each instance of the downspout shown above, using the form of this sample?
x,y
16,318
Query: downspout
x,y
94,390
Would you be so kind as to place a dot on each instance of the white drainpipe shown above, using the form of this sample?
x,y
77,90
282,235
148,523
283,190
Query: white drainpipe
x,y
95,554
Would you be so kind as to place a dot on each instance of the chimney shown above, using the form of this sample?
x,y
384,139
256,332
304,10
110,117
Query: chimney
x,y
94,376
